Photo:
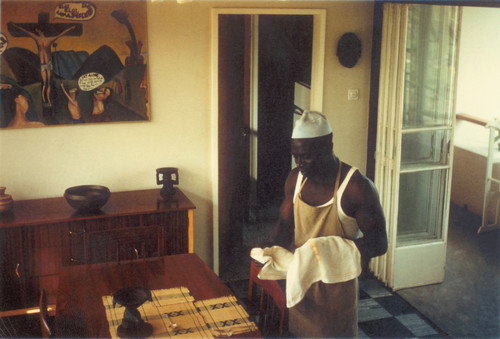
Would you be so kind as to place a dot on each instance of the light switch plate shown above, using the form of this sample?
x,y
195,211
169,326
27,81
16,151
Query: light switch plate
x,y
352,94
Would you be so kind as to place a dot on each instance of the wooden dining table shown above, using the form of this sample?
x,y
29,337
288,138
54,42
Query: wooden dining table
x,y
80,311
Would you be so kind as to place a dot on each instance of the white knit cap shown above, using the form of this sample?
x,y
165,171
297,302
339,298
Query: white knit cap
x,y
311,124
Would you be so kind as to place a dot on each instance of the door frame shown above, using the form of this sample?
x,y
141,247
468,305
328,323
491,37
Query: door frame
x,y
317,78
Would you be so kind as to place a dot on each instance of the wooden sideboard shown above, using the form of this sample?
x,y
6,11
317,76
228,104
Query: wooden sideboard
x,y
39,236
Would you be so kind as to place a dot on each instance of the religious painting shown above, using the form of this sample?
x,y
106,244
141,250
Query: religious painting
x,y
75,62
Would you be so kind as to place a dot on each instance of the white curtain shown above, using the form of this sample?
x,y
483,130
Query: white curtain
x,y
391,86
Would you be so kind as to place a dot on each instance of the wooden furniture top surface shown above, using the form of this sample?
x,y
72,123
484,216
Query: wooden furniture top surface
x,y
80,310
52,210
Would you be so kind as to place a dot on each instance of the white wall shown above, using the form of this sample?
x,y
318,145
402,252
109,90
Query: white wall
x,y
478,94
43,162
478,91
349,119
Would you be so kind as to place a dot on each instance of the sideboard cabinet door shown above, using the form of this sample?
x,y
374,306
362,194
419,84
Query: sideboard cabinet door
x,y
13,277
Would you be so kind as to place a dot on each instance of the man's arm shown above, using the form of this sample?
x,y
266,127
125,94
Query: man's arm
x,y
361,201
283,232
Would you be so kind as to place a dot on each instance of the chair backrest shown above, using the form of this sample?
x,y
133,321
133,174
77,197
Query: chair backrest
x,y
272,289
44,316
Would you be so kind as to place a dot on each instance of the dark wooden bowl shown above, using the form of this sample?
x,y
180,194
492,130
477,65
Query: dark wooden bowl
x,y
86,198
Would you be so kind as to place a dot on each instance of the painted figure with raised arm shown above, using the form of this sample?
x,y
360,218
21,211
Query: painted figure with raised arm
x,y
73,106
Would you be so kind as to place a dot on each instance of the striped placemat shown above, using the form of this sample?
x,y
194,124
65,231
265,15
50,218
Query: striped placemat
x,y
176,302
225,316
217,317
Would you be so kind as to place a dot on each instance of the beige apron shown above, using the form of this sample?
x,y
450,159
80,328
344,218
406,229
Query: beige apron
x,y
327,310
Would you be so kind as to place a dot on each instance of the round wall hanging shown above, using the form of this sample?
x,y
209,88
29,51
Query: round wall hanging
x,y
349,49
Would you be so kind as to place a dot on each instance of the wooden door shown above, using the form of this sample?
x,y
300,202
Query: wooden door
x,y
234,180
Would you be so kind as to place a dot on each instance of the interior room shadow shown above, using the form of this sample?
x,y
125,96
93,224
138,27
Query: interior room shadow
x,y
249,203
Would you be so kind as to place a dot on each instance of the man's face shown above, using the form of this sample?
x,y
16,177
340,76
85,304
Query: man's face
x,y
311,155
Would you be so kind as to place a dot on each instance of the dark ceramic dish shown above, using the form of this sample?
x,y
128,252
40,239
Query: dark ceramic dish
x,y
87,197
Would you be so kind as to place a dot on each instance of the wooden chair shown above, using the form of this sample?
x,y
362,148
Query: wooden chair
x,y
272,297
120,244
24,322
45,323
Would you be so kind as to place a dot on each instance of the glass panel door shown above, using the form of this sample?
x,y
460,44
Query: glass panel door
x,y
415,138
427,123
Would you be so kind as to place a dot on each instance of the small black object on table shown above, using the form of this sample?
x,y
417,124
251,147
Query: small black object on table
x,y
132,325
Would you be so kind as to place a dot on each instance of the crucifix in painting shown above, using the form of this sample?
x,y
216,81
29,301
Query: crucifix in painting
x,y
44,34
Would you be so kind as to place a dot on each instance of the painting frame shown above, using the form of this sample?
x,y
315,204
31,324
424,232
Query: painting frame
x,y
73,62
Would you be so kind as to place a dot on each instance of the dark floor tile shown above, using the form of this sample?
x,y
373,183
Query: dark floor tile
x,y
395,305
24,326
239,288
385,328
363,294
438,335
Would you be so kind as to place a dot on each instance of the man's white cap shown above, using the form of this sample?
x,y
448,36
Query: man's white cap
x,y
311,124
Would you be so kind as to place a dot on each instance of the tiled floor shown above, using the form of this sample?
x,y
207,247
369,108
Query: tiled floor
x,y
381,314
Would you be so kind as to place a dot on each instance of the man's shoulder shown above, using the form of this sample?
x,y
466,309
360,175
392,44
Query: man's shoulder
x,y
291,180
359,185
357,174
357,178
294,173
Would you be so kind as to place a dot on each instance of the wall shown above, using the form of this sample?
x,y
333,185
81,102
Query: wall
x,y
467,189
479,69
477,94
43,162
349,118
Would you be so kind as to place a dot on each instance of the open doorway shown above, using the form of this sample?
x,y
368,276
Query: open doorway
x,y
469,291
255,161
478,104
260,58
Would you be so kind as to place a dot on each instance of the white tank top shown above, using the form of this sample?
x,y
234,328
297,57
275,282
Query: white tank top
x,y
349,224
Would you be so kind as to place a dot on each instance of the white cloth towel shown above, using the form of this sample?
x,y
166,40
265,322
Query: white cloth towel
x,y
276,261
331,259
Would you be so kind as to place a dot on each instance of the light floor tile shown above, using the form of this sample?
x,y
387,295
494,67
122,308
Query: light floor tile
x,y
374,288
369,309
416,325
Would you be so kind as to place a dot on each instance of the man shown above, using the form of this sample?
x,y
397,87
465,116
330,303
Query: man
x,y
325,197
